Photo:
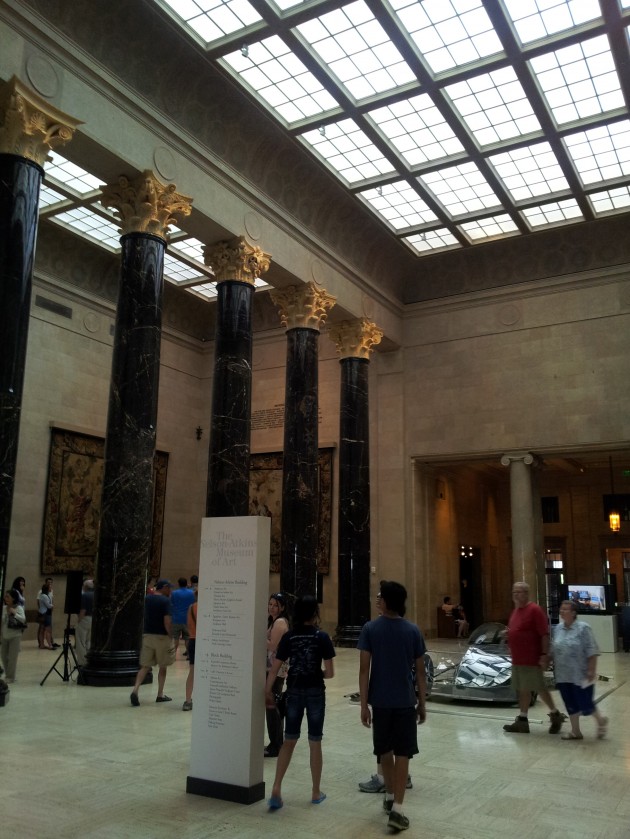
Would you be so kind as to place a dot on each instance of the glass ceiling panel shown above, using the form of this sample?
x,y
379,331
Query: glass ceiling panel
x,y
417,129
272,71
534,19
432,240
90,225
493,227
601,154
68,174
555,212
399,204
191,247
206,290
178,271
355,48
448,33
213,19
580,80
494,106
348,151
461,189
610,200
48,197
530,171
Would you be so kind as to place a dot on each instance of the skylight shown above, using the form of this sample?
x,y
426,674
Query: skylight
x,y
63,172
453,122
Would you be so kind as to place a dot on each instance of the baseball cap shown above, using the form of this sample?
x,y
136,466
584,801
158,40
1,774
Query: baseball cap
x,y
162,584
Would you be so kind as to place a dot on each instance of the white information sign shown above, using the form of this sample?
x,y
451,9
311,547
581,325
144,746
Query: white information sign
x,y
228,716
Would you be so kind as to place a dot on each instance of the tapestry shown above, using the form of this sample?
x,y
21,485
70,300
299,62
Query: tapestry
x,y
73,504
265,499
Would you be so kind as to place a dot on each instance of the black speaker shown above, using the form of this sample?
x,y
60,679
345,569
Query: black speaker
x,y
74,586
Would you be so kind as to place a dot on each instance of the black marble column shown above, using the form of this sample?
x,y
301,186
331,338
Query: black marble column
x,y
228,463
125,530
354,501
20,181
300,476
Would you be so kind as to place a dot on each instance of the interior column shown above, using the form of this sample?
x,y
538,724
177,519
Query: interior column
x,y
146,207
236,265
354,340
303,311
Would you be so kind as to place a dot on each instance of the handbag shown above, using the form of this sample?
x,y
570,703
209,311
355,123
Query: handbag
x,y
281,703
14,623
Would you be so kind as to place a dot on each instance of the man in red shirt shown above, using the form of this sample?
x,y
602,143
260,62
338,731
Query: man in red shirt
x,y
528,639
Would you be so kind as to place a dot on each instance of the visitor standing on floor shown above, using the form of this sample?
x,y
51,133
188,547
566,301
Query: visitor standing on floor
x,y
575,655
13,625
309,649
182,599
528,640
157,645
83,632
44,618
192,643
390,648
277,626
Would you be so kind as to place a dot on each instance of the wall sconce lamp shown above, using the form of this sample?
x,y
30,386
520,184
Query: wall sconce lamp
x,y
614,519
199,432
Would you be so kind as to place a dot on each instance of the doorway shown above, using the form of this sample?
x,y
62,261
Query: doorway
x,y
470,588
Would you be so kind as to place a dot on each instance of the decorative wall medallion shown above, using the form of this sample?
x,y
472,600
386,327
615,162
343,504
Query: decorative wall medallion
x,y
509,315
92,322
164,163
253,225
42,75
318,271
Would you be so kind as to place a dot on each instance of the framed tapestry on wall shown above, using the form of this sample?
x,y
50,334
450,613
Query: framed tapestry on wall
x,y
265,499
73,504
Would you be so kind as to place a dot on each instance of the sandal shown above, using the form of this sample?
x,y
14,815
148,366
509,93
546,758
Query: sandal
x,y
602,728
571,736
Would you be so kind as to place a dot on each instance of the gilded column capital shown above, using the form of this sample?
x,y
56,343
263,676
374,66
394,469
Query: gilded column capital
x,y
305,306
355,338
29,125
145,205
236,259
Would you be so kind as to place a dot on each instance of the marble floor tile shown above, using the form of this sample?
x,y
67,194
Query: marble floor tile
x,y
80,763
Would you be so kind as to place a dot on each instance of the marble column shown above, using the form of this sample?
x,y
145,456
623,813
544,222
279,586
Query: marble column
x,y
29,128
523,514
354,340
236,265
303,311
146,208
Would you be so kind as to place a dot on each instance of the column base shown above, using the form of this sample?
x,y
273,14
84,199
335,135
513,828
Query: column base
x,y
347,636
225,792
111,669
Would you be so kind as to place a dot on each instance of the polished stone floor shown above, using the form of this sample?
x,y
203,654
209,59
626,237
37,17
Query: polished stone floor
x,y
80,762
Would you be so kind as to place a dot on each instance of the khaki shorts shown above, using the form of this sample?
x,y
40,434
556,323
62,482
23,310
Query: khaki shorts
x,y
157,650
525,677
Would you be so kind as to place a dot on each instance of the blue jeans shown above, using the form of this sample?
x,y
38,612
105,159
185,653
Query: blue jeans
x,y
311,700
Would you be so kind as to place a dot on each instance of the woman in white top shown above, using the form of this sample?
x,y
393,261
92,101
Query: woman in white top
x,y
575,654
11,636
277,625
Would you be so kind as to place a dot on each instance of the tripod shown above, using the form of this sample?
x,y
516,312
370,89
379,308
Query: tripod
x,y
67,651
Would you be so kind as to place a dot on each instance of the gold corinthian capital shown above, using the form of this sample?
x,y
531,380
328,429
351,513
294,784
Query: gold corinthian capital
x,y
29,125
305,306
355,338
236,259
145,205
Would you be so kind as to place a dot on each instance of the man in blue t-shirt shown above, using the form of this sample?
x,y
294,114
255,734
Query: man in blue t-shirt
x,y
391,648
181,601
157,644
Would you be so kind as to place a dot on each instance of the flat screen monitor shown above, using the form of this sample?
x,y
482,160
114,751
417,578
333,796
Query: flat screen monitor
x,y
588,598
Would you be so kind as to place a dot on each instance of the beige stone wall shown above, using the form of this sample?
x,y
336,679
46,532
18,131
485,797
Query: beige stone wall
x,y
536,370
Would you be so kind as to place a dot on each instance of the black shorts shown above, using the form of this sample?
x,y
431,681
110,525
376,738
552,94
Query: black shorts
x,y
395,730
